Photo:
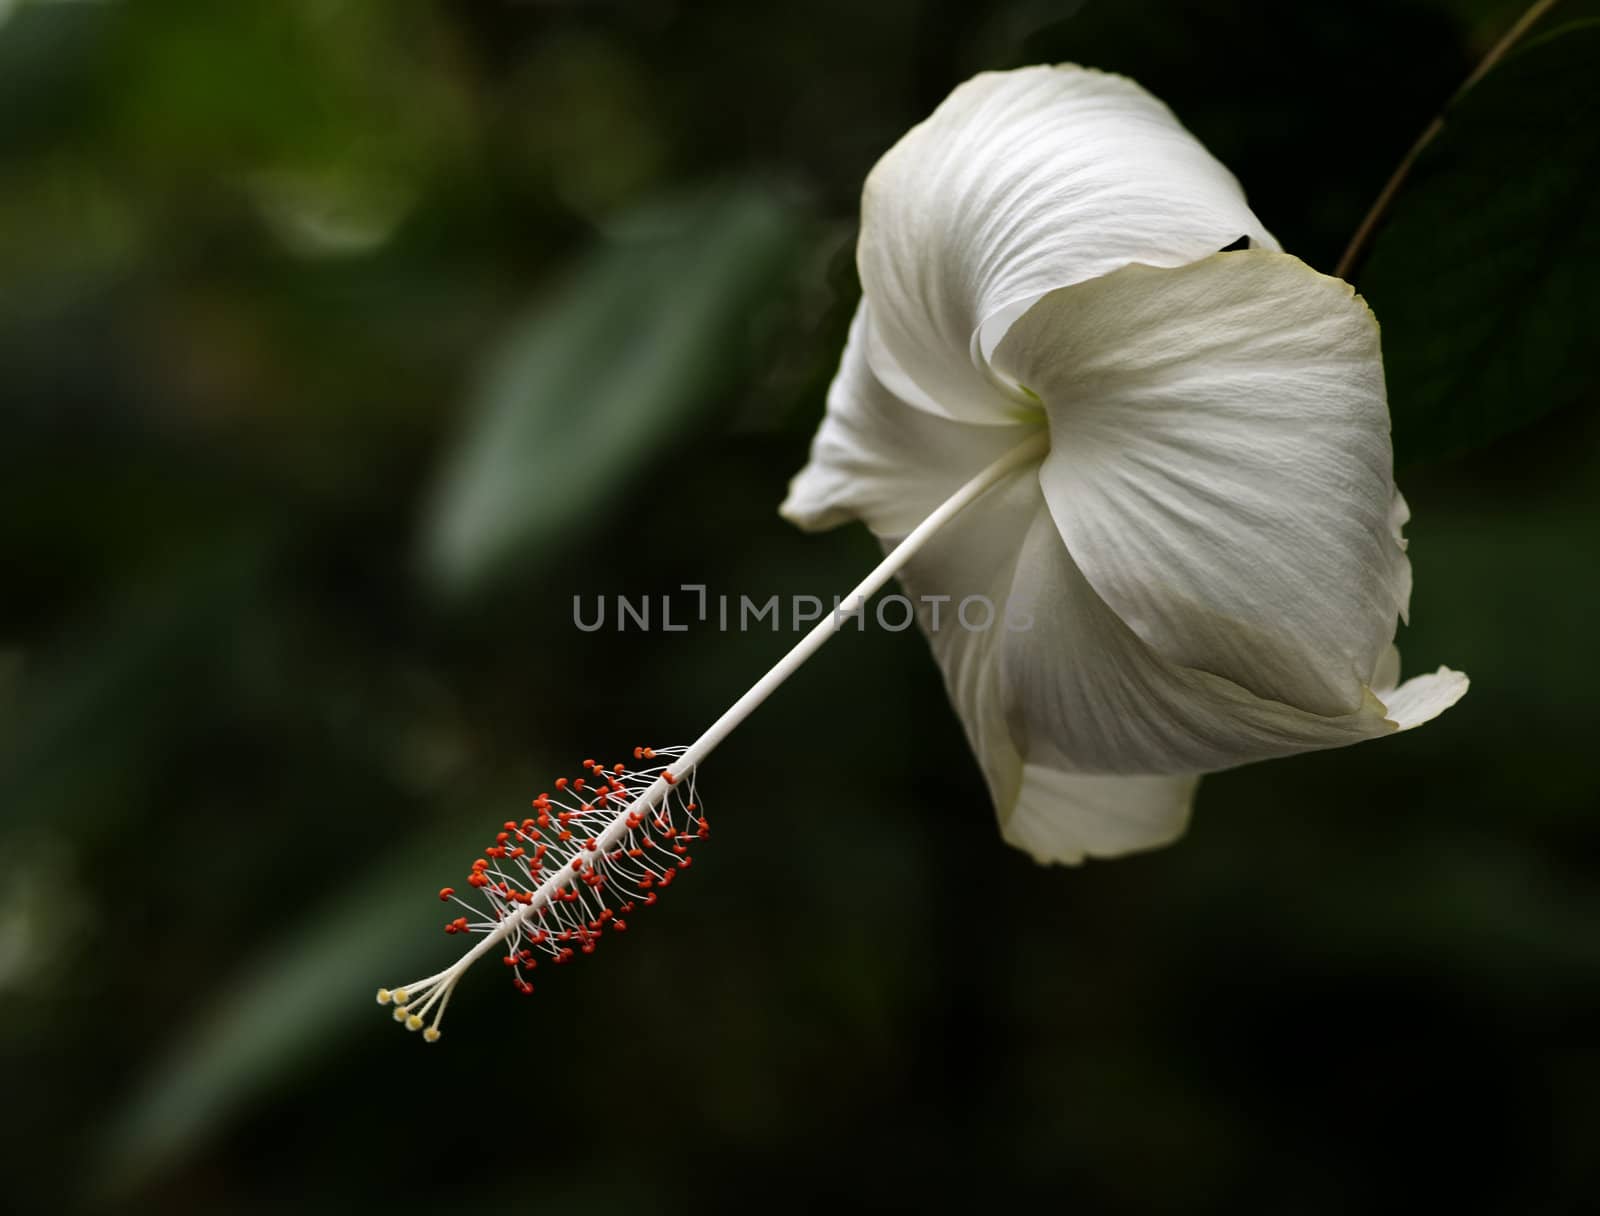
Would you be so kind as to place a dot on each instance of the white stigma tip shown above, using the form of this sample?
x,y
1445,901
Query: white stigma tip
x,y
430,1035
401,996
399,1013
384,996
413,1022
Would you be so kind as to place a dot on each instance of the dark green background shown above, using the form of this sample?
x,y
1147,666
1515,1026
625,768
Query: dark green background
x,y
253,712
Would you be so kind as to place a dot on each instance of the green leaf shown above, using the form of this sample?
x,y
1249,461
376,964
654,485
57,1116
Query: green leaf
x,y
579,393
1485,276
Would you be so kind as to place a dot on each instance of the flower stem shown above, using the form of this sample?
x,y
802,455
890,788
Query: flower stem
x,y
1380,207
1030,449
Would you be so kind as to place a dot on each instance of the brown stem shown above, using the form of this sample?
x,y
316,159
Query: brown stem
x,y
1380,206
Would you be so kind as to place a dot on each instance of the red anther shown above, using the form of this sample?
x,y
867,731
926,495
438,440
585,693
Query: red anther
x,y
502,837
578,784
686,863
666,775
517,852
649,753
564,836
635,852
589,949
691,808
590,844
627,906
446,892
480,864
496,851
476,879
679,849
650,899
588,764
539,937
638,753
621,926
542,802
577,864
645,883
565,817
603,799
538,851
526,824
618,769
524,987
634,819
509,961
605,915
460,923
561,783
451,928
666,879
586,808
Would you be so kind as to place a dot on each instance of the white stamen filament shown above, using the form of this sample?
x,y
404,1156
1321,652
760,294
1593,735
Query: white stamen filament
x,y
437,987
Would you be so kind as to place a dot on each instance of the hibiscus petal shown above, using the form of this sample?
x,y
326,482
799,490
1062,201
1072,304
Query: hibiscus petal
x,y
1065,817
1423,698
1089,740
1220,467
878,460
1082,692
1019,183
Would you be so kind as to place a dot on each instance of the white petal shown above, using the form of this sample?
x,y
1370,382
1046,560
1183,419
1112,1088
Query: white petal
x,y
1386,675
1089,741
1221,470
877,459
1066,817
1399,516
1019,183
1081,692
1423,698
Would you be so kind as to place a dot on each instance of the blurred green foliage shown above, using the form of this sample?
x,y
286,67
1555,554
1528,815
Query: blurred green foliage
x,y
1487,293
581,392
277,277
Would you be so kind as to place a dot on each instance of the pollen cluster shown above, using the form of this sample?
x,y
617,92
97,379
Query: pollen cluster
x,y
555,883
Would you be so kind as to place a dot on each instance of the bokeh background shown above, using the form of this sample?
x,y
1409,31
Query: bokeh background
x,y
342,342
